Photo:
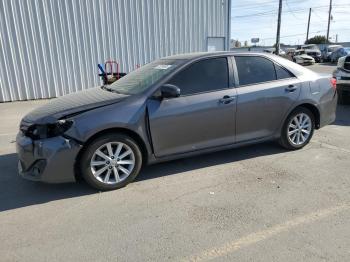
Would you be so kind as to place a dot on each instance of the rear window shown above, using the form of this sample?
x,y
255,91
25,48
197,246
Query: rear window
x,y
254,70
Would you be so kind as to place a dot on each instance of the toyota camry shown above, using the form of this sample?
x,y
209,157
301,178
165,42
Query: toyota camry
x,y
174,107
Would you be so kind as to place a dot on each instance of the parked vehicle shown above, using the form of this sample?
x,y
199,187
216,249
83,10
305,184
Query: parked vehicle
x,y
300,57
290,53
343,51
342,74
313,51
273,51
174,107
327,51
309,47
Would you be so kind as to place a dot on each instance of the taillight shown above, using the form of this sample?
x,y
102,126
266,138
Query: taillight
x,y
334,82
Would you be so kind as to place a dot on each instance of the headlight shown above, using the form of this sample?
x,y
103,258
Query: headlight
x,y
341,62
48,130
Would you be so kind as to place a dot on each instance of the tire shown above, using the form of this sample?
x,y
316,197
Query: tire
x,y
99,162
287,141
341,97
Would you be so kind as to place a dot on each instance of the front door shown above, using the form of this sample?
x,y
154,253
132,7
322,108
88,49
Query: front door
x,y
202,117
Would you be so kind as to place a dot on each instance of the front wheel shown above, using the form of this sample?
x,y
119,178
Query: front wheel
x,y
298,129
111,161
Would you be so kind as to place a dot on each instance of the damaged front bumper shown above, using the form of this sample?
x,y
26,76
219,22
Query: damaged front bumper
x,y
343,77
49,160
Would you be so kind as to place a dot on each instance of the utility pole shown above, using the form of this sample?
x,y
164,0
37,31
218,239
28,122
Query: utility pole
x,y
278,28
308,25
329,19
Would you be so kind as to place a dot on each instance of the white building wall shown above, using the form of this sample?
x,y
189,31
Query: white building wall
x,y
49,48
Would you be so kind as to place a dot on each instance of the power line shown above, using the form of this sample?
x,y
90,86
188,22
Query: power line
x,y
274,12
255,5
291,10
315,32
315,13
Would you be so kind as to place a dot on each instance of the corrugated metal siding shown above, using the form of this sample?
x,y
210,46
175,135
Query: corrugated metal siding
x,y
49,48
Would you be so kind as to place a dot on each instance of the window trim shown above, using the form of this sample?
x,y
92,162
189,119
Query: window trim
x,y
238,85
274,64
231,82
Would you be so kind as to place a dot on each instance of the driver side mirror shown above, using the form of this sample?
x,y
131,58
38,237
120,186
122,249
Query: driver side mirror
x,y
169,91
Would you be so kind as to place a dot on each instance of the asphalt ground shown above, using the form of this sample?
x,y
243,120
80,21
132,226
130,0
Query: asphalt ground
x,y
257,203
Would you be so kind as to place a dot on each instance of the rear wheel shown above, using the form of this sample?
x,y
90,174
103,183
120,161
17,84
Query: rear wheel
x,y
111,161
298,129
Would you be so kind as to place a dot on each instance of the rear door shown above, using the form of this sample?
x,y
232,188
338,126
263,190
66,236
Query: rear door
x,y
265,92
202,117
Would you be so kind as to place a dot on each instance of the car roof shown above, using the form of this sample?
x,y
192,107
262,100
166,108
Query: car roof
x,y
190,56
296,69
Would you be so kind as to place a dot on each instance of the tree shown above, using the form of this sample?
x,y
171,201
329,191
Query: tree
x,y
238,44
235,43
318,39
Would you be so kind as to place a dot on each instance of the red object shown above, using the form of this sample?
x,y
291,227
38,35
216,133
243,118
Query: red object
x,y
334,82
111,63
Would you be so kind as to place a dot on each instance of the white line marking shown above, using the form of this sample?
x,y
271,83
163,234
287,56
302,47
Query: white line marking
x,y
265,234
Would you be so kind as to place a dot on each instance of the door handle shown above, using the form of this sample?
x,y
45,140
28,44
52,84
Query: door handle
x,y
291,88
227,99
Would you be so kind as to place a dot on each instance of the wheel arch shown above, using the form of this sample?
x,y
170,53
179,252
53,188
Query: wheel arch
x,y
314,110
138,139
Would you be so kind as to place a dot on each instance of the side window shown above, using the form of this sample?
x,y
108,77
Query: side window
x,y
282,73
254,70
203,76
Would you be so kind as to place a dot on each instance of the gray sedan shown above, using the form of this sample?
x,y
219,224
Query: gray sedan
x,y
171,108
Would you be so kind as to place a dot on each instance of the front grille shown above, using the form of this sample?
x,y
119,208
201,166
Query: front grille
x,y
347,63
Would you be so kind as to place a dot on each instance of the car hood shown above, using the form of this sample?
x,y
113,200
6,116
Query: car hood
x,y
304,56
313,52
74,103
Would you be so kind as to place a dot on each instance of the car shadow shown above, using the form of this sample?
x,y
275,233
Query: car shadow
x,y
17,192
210,159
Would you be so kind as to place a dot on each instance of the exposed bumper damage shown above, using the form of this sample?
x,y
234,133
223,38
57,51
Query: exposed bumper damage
x,y
50,160
343,77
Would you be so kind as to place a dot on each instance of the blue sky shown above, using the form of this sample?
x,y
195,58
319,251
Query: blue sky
x,y
258,18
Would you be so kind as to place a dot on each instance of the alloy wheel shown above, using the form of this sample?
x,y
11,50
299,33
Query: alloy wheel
x,y
112,162
299,129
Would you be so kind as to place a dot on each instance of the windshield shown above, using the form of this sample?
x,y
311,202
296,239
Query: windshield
x,y
347,50
142,78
